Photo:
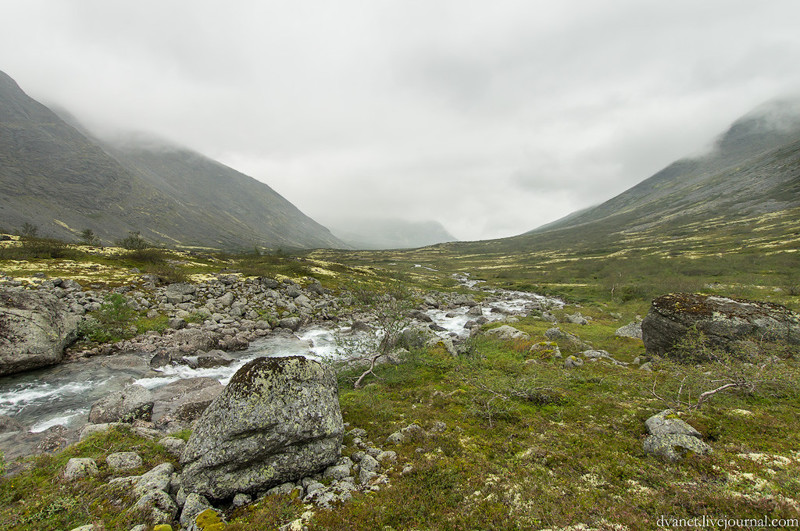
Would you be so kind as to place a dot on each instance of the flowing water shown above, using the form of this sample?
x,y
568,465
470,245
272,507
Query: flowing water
x,y
63,394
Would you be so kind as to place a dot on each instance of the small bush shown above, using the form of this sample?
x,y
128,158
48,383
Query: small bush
x,y
132,241
112,322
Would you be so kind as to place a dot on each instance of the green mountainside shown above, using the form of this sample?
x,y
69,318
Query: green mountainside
x,y
54,176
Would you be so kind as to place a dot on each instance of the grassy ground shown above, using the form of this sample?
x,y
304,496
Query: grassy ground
x,y
525,443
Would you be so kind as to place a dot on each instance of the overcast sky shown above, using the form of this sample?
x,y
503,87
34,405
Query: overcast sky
x,y
492,117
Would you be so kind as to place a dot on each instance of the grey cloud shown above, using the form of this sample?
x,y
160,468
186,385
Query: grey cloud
x,y
491,118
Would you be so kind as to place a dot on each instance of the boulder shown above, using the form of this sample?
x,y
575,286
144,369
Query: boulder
x,y
183,401
723,321
277,420
35,328
180,292
132,403
123,461
80,467
507,333
671,438
633,330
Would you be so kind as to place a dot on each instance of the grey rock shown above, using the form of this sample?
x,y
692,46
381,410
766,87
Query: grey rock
x,y
193,506
577,318
79,468
180,292
672,438
573,362
336,472
240,500
668,423
157,478
508,333
181,402
35,328
294,291
556,334
674,447
90,429
226,300
173,445
633,330
158,505
722,320
386,457
119,461
284,488
10,425
132,403
292,323
369,463
357,432
277,420
396,438
365,476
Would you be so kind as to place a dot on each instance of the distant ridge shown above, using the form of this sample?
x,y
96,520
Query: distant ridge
x,y
374,233
63,180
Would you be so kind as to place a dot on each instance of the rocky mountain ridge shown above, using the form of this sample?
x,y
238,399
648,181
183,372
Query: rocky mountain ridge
x,y
55,177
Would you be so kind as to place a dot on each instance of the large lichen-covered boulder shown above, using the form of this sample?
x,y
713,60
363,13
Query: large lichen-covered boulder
x,y
35,328
277,420
721,320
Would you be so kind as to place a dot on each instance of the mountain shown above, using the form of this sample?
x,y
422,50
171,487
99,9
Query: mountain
x,y
752,174
381,233
58,177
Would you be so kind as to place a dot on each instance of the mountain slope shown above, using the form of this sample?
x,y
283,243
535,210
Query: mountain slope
x,y
56,177
752,170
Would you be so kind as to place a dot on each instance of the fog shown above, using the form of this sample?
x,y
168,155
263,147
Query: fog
x,y
491,118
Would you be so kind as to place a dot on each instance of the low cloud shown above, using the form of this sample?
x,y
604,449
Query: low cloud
x,y
492,119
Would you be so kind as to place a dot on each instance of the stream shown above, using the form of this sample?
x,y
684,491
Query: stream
x,y
63,394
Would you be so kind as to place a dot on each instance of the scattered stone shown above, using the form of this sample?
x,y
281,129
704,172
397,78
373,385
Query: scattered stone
x,y
507,333
556,334
577,318
337,472
386,457
241,499
572,362
132,403
633,330
90,429
672,438
10,425
158,506
173,445
79,468
193,506
157,478
120,461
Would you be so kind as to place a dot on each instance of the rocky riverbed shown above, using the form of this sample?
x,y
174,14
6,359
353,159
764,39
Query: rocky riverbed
x,y
215,327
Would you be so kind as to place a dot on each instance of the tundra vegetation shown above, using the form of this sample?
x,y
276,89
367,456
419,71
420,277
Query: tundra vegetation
x,y
511,438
